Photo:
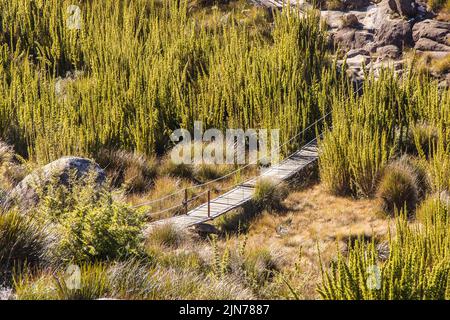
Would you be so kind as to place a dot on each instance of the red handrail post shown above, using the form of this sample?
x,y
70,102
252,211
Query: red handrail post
x,y
209,203
185,202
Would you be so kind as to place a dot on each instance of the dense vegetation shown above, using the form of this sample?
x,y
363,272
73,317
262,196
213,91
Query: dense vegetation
x,y
136,70
392,142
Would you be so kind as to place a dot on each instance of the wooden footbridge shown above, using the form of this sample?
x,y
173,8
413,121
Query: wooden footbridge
x,y
242,193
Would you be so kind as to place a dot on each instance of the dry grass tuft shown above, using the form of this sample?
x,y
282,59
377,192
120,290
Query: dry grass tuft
x,y
133,171
398,188
269,195
167,236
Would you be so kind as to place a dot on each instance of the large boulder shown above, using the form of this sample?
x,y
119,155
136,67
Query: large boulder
x,y
407,8
425,44
349,38
395,32
26,193
437,31
388,52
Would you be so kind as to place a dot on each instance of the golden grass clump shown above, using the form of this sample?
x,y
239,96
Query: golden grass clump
x,y
398,188
22,242
166,235
269,195
135,172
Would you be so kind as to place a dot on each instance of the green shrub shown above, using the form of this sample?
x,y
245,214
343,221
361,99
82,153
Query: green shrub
x,y
398,188
434,208
416,268
89,224
439,170
422,138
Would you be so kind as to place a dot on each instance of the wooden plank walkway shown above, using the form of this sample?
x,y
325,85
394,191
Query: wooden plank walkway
x,y
276,3
243,193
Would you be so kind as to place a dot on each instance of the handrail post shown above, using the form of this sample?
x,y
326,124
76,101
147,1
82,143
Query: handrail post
x,y
209,203
185,202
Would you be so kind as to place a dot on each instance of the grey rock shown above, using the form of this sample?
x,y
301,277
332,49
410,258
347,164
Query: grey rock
x,y
26,193
435,30
395,32
407,8
349,38
388,52
6,294
355,52
349,21
204,229
358,61
425,44
356,4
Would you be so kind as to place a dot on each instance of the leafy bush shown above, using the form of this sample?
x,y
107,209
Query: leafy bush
x,y
422,138
398,188
90,224
434,208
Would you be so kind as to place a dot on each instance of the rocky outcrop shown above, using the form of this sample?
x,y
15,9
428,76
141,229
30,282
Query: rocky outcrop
x,y
26,194
376,33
